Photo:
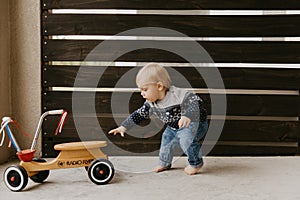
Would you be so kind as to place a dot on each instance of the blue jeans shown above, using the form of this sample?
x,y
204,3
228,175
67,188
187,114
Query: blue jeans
x,y
188,139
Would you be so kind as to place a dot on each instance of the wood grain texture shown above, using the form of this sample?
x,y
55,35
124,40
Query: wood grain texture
x,y
136,148
237,137
237,105
233,78
253,52
234,130
172,4
193,26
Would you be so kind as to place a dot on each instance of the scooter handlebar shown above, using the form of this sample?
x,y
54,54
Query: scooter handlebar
x,y
56,112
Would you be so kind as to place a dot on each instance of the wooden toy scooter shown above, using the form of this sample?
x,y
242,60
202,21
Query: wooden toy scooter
x,y
72,155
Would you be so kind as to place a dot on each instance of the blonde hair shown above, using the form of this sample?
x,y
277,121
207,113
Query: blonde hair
x,y
153,73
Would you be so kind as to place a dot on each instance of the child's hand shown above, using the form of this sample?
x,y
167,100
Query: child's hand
x,y
184,122
120,130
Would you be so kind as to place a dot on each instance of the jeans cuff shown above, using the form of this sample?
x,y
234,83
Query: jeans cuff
x,y
197,165
165,164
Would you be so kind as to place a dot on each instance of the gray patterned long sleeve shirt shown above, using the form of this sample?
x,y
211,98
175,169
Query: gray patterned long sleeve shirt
x,y
177,102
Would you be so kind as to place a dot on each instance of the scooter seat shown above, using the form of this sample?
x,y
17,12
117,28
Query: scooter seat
x,y
80,145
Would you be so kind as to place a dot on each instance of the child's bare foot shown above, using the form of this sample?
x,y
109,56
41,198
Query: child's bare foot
x,y
192,170
160,169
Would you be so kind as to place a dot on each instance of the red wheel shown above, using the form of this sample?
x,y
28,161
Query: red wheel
x,y
101,171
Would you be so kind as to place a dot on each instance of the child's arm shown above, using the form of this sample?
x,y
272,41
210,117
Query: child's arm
x,y
192,109
136,117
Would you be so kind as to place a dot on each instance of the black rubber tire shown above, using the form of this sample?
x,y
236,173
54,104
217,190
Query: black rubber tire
x,y
15,178
41,176
101,171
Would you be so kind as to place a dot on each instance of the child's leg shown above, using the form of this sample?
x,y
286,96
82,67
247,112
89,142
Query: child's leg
x,y
189,141
166,149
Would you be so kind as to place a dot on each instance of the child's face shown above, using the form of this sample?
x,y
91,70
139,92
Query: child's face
x,y
152,92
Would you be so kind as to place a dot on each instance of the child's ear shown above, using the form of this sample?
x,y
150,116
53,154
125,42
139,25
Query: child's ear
x,y
160,86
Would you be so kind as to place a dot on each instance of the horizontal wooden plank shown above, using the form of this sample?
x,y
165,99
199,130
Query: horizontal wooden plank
x,y
237,137
171,4
150,149
194,26
239,105
147,51
233,78
233,130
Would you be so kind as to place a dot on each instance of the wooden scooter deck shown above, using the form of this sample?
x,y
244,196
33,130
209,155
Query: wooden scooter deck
x,y
72,155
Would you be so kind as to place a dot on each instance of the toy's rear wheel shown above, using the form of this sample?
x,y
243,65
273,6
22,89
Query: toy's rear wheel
x,y
101,171
42,175
15,178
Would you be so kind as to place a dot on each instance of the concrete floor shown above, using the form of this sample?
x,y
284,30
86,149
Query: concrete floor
x,y
222,178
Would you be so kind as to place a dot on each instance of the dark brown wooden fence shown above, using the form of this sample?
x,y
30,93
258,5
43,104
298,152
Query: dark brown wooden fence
x,y
261,76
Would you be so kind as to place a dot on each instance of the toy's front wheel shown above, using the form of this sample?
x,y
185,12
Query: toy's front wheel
x,y
15,178
101,171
